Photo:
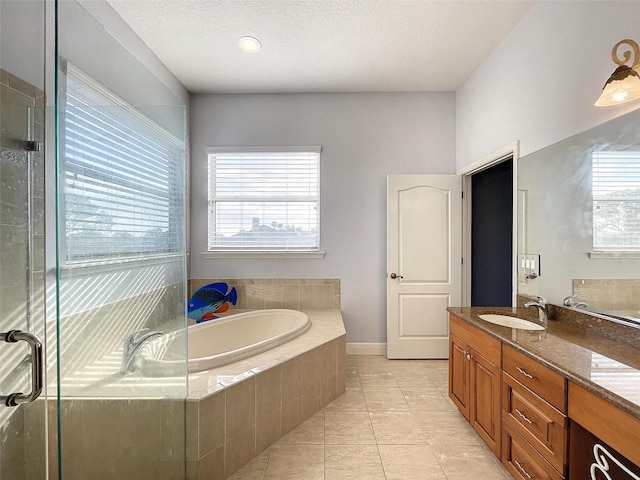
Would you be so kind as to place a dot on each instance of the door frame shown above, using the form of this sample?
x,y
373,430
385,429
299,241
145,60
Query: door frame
x,y
512,150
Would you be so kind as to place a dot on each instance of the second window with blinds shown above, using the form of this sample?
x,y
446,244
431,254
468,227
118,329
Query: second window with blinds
x,y
264,201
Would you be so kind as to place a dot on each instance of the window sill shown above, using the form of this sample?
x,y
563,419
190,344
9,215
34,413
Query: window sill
x,y
262,254
614,254
90,268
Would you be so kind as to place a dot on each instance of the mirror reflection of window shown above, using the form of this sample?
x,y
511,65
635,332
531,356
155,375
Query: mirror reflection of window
x,y
616,201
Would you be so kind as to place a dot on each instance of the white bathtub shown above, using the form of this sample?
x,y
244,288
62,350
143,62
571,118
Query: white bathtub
x,y
225,340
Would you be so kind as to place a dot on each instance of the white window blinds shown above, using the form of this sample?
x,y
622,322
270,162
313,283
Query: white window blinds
x,y
264,200
122,175
616,200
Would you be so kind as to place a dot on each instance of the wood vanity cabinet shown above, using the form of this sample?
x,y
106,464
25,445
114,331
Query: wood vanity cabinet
x,y
534,429
474,379
616,431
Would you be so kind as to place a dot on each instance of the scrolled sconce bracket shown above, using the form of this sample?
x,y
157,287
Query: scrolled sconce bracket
x,y
627,53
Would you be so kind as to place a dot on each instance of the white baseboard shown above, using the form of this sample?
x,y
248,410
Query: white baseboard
x,y
366,348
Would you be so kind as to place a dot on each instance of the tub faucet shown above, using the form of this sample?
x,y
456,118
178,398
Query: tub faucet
x,y
132,344
543,311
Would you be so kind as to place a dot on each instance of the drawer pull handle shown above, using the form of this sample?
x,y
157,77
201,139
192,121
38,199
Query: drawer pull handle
x,y
524,417
524,372
522,470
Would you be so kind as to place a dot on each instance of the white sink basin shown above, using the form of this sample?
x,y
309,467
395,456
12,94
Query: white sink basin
x,y
513,322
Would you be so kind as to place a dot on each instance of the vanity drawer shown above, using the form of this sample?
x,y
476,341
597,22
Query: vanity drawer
x,y
485,344
521,460
551,386
538,422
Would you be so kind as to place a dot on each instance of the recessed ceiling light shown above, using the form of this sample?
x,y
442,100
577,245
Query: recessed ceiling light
x,y
250,44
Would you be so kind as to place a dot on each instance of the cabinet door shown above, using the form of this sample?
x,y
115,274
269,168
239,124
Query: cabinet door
x,y
459,374
484,413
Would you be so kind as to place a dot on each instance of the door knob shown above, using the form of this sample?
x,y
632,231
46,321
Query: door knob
x,y
393,275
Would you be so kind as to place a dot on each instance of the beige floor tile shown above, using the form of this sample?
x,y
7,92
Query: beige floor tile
x,y
427,362
353,462
371,366
410,462
464,462
351,400
348,428
353,382
447,428
311,432
427,398
442,385
369,359
436,364
377,379
296,462
406,365
438,371
254,470
444,388
416,376
399,428
394,422
384,398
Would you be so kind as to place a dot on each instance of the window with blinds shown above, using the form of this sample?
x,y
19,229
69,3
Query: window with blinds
x,y
264,200
122,178
616,201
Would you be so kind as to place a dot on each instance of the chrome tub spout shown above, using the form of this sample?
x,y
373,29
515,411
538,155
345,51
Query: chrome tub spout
x,y
132,344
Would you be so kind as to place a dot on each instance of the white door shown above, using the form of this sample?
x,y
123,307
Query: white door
x,y
424,256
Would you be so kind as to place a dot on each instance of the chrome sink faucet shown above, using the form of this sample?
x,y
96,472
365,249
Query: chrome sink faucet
x,y
571,301
543,310
132,344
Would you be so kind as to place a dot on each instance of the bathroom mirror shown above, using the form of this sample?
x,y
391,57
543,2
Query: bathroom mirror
x,y
579,220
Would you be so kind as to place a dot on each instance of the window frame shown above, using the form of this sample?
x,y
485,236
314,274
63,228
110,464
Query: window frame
x,y
610,251
262,251
136,258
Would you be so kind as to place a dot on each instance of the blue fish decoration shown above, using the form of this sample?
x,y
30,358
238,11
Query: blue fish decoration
x,y
209,300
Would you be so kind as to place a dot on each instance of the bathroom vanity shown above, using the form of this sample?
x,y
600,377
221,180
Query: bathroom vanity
x,y
553,404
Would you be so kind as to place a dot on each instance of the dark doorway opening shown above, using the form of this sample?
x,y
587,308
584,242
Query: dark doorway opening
x,y
492,236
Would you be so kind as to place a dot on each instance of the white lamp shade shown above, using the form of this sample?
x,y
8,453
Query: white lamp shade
x,y
622,87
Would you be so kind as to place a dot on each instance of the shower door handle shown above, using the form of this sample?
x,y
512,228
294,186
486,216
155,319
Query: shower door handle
x,y
37,367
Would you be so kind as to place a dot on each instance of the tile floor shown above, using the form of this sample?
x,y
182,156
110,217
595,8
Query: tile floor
x,y
394,422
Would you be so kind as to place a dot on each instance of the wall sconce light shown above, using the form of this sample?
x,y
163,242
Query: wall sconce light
x,y
624,83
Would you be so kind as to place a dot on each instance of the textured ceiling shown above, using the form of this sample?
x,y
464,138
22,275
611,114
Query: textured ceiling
x,y
322,45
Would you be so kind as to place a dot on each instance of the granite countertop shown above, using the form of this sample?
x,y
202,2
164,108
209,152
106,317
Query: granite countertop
x,y
586,352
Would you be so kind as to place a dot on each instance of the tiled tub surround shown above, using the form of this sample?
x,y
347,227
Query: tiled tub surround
x,y
91,344
237,411
232,412
115,426
293,293
579,347
107,439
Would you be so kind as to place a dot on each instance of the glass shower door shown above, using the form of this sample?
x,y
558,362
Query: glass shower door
x,y
23,452
121,259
